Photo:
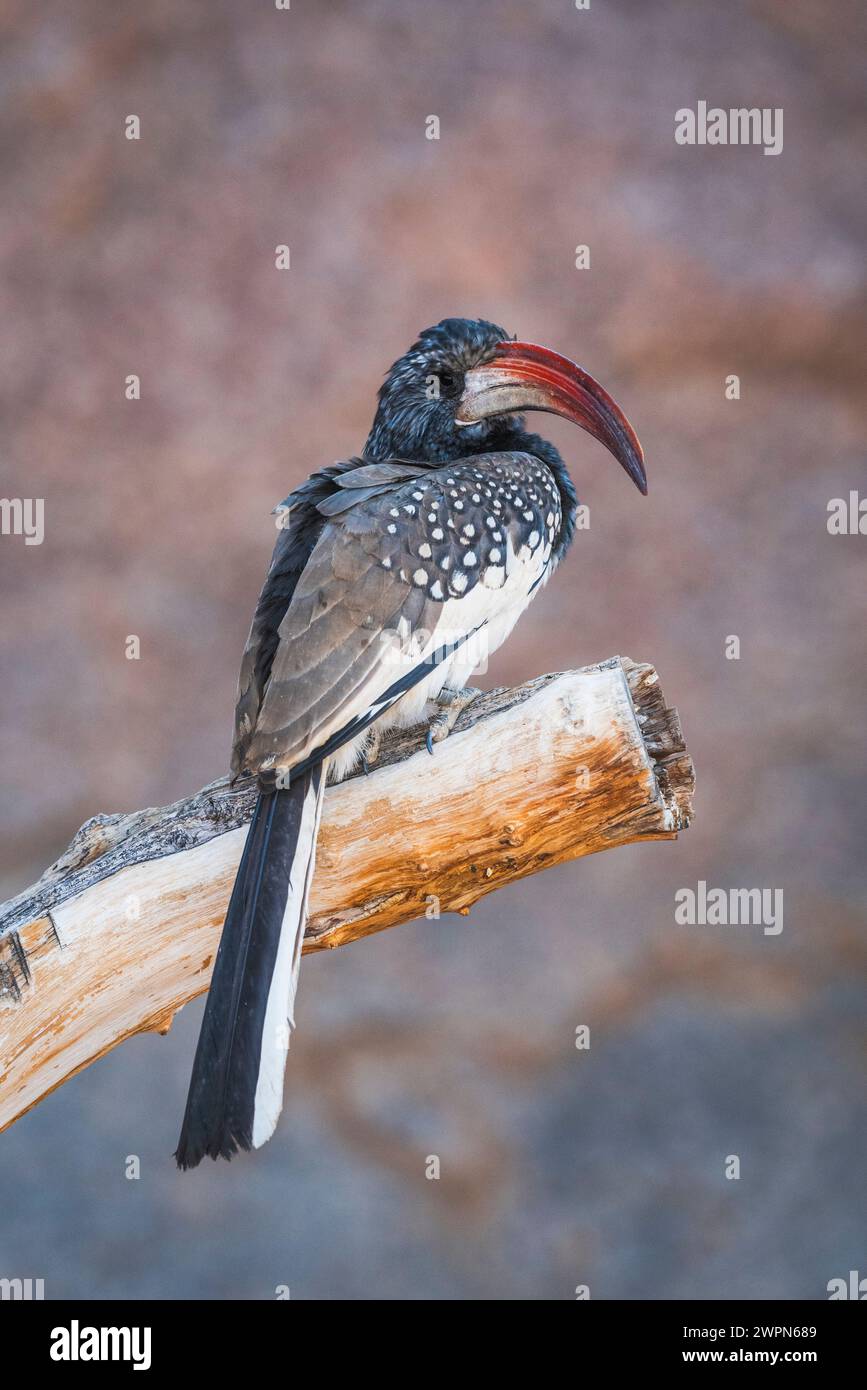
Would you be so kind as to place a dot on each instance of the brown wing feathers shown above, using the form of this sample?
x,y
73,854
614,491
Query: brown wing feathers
x,y
403,540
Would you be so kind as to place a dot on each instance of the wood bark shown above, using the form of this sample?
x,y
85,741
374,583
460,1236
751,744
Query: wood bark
x,y
121,932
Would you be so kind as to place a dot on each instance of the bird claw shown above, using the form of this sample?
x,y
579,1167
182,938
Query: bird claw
x,y
454,703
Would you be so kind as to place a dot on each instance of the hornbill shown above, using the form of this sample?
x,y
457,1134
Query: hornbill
x,y
386,567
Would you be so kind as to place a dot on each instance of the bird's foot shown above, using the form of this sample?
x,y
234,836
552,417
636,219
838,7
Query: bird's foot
x,y
370,751
453,703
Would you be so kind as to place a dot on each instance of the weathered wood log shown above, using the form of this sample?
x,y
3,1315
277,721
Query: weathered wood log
x,y
121,932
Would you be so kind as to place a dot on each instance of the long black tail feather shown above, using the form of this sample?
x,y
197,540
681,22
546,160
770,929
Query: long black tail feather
x,y
236,1085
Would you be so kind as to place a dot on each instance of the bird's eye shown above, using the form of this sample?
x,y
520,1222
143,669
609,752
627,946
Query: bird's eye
x,y
447,380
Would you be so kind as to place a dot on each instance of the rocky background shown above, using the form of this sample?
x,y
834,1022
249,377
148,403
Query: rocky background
x,y
455,1038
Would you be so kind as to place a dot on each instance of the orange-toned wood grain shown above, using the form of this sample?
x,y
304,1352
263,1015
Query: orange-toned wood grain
x,y
590,760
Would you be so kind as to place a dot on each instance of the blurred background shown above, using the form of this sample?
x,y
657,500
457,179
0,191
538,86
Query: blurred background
x,y
456,1038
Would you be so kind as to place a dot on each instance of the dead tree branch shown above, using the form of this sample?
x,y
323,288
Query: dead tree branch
x,y
121,932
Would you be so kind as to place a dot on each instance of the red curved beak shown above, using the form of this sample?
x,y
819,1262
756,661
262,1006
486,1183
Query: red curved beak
x,y
524,376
